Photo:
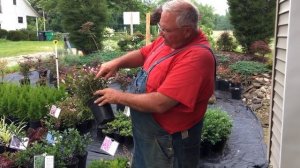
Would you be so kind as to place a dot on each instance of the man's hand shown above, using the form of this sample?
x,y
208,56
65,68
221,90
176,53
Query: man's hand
x,y
107,69
107,95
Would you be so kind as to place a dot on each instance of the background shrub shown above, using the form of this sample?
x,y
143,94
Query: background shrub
x,y
260,47
3,34
226,42
248,68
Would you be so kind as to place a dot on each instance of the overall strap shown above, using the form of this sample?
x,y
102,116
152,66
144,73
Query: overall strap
x,y
177,51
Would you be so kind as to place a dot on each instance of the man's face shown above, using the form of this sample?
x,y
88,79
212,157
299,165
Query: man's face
x,y
175,37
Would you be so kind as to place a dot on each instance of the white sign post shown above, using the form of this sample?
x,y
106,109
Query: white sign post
x,y
56,62
131,18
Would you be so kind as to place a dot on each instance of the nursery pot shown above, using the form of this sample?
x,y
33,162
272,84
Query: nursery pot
x,y
102,114
236,93
82,160
223,85
83,127
73,163
25,81
35,124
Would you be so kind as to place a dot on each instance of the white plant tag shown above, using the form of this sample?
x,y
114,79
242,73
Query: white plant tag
x,y
109,145
49,161
127,111
54,111
18,143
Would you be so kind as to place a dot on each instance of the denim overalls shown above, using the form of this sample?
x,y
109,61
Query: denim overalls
x,y
153,146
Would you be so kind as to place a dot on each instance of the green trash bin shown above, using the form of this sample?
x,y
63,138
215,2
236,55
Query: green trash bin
x,y
49,35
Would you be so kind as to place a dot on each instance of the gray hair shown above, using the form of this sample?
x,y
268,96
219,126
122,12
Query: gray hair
x,y
187,13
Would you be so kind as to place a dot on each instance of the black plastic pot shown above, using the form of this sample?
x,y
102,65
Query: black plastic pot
x,y
82,160
35,124
120,107
223,85
73,163
102,114
83,127
25,81
236,93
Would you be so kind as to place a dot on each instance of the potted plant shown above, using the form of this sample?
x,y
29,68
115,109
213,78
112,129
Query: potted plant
x,y
236,87
120,128
73,114
84,86
217,127
25,67
119,162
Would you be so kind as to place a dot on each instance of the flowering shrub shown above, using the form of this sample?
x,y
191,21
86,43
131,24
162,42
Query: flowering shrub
x,y
83,83
108,32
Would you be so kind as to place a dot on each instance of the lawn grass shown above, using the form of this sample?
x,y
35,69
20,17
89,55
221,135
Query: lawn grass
x,y
16,48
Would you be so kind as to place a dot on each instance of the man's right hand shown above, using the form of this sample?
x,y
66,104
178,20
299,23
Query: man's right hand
x,y
107,69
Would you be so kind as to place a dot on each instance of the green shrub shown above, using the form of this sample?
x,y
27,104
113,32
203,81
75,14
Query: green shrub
x,y
16,35
3,34
222,59
217,126
226,42
248,68
128,42
118,162
120,125
209,34
27,102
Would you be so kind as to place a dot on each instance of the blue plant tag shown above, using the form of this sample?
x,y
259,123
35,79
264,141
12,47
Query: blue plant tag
x,y
50,138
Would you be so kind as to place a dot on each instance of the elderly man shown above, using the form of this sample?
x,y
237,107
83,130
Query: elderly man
x,y
169,97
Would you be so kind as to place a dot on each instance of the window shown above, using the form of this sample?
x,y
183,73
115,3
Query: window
x,y
15,2
20,19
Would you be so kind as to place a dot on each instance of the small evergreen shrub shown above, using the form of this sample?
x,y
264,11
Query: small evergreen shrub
x,y
222,59
209,34
128,42
226,42
118,162
3,34
248,68
217,126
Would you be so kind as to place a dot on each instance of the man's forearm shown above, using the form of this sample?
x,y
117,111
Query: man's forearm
x,y
147,102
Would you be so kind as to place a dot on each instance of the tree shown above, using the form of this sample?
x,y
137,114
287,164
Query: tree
x,y
85,21
252,20
223,22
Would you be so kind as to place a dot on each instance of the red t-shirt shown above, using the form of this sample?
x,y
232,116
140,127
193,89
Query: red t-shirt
x,y
187,77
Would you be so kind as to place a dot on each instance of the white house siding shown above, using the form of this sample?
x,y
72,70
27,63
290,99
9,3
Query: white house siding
x,y
284,146
10,14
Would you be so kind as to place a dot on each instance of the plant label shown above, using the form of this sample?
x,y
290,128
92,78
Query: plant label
x,y
109,145
127,111
49,161
50,139
18,143
43,161
54,111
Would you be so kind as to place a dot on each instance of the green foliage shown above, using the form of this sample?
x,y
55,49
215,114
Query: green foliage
x,y
252,20
85,21
217,126
207,16
248,68
83,83
73,112
118,162
16,35
27,102
8,130
3,34
209,34
128,42
121,125
223,22
222,59
91,59
225,42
